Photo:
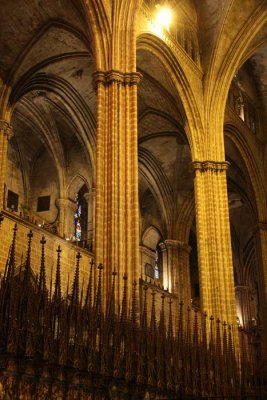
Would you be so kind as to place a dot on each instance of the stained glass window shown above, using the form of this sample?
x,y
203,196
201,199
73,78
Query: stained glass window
x,y
80,216
157,263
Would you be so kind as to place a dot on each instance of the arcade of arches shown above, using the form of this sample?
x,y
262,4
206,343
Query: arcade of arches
x,y
143,147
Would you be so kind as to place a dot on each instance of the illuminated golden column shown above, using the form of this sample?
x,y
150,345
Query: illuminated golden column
x,y
214,242
178,267
117,220
6,132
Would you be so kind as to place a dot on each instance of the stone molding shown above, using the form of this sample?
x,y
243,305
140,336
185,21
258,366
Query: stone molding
x,y
6,128
90,194
145,250
178,245
215,166
66,203
124,78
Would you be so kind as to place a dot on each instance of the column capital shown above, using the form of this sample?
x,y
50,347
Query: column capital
x,y
6,129
124,78
169,243
90,194
216,166
163,246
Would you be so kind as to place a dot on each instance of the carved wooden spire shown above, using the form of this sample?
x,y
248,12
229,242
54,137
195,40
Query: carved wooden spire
x,y
89,292
123,316
143,339
134,305
57,294
170,356
11,263
110,306
161,348
42,273
76,286
219,372
152,348
196,381
28,259
98,297
131,342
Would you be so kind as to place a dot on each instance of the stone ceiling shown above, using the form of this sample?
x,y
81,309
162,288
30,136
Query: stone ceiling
x,y
51,37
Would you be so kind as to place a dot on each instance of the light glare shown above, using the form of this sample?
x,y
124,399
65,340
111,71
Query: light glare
x,y
164,17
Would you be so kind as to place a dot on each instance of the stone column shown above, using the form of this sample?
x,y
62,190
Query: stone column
x,y
214,242
178,267
6,132
90,198
117,219
67,210
246,311
261,252
165,267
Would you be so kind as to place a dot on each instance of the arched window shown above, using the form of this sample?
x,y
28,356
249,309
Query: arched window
x,y
81,215
158,263
151,240
157,269
240,107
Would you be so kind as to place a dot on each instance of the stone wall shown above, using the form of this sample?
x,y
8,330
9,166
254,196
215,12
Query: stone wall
x,y
44,182
14,177
68,254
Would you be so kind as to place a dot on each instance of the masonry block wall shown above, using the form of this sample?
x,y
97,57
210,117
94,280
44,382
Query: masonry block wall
x,y
68,254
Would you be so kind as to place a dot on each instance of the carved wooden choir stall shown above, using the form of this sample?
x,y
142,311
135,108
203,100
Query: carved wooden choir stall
x,y
76,347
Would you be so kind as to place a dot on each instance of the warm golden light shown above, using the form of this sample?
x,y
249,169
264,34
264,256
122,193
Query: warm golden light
x,y
164,17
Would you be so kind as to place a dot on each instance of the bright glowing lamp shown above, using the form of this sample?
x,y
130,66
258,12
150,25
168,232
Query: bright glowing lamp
x,y
164,17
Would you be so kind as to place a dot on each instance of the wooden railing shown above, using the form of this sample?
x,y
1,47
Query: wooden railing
x,y
89,345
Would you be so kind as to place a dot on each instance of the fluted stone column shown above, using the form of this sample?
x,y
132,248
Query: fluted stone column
x,y
6,132
214,242
90,198
67,210
117,220
178,267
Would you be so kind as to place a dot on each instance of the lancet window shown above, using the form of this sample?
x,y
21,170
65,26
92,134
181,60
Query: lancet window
x,y
80,216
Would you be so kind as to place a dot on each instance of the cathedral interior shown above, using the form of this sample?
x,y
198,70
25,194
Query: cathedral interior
x,y
132,137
